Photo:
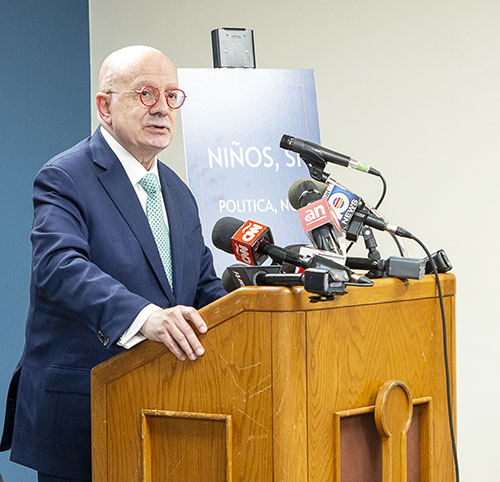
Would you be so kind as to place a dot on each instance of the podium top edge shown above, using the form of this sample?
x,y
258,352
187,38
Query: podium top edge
x,y
278,299
286,299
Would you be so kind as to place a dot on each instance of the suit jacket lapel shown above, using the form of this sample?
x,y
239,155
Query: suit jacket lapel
x,y
117,184
175,224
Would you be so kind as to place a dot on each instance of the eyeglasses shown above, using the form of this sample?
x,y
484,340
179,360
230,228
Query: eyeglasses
x,y
150,95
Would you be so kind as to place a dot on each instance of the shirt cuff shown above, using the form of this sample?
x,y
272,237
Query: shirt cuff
x,y
132,336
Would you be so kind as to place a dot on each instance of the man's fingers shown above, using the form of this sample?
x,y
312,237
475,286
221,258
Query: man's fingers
x,y
172,327
171,344
192,315
185,337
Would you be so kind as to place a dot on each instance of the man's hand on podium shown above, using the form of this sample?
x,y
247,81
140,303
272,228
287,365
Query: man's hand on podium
x,y
172,327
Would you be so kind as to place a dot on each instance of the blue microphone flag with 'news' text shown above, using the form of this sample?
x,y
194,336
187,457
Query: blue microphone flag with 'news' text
x,y
233,121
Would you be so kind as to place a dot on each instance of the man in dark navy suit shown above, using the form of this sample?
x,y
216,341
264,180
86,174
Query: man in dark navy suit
x,y
118,257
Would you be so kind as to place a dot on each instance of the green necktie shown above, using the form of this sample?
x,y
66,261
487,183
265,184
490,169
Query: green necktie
x,y
154,212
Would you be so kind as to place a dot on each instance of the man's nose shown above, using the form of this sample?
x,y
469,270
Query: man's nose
x,y
161,107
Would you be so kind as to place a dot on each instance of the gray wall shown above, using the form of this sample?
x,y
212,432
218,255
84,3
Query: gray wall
x,y
410,87
44,108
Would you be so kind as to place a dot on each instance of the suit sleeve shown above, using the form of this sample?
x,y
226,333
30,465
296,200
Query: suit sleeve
x,y
210,286
62,266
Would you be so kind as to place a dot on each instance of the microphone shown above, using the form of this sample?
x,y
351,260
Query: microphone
x,y
441,261
316,215
353,213
362,217
321,282
240,275
293,192
311,152
393,267
344,202
325,260
251,243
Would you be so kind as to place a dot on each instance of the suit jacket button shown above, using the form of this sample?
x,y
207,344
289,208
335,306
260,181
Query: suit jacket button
x,y
102,338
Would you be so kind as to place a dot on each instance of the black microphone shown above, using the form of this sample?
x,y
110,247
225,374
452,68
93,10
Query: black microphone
x,y
321,282
325,260
441,261
240,275
362,217
393,267
353,214
318,220
309,151
293,193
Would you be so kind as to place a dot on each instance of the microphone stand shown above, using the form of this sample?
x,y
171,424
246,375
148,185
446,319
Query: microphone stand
x,y
373,253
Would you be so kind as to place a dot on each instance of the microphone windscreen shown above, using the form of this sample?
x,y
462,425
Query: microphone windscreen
x,y
223,231
300,186
229,282
287,142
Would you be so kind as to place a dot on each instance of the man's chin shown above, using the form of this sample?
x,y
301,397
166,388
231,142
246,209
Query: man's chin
x,y
160,141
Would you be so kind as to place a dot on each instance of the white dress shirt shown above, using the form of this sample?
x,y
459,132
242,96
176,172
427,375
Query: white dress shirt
x,y
135,172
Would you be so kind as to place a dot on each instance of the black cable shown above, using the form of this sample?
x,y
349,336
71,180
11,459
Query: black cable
x,y
384,190
379,202
349,247
445,350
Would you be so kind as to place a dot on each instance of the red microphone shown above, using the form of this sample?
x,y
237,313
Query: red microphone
x,y
246,241
252,243
318,214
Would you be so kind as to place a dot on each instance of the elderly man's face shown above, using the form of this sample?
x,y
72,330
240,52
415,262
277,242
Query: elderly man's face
x,y
144,131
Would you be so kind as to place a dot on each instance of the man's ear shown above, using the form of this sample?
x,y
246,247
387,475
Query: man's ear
x,y
103,102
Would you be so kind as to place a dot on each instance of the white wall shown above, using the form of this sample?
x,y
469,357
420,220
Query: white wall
x,y
410,87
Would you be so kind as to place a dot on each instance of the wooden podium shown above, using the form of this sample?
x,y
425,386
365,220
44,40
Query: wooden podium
x,y
288,391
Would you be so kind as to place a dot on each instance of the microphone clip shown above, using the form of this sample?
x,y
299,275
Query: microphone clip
x,y
316,167
318,298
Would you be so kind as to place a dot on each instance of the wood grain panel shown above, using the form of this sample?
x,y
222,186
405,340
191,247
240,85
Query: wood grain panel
x,y
180,446
352,351
393,415
233,377
289,397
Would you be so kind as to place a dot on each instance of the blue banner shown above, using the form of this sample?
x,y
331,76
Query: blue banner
x,y
233,121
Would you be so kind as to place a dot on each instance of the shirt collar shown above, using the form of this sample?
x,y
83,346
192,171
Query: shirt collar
x,y
134,169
